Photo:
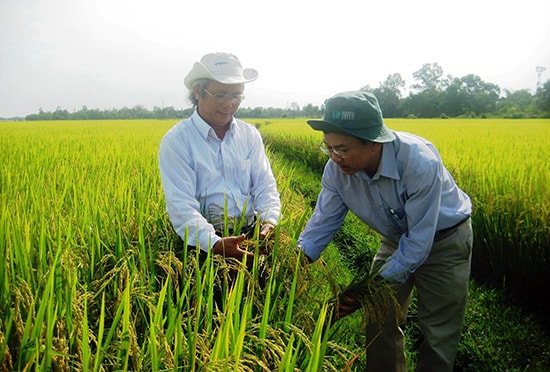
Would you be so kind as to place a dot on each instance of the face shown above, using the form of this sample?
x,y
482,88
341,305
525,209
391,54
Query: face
x,y
218,114
357,155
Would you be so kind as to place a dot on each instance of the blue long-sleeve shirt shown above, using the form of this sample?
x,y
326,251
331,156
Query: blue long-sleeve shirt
x,y
205,178
411,196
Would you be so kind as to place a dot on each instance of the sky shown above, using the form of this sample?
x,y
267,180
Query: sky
x,y
121,53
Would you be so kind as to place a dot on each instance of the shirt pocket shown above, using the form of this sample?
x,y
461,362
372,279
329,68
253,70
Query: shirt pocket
x,y
397,218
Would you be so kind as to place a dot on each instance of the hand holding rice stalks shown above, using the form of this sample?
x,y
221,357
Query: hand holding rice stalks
x,y
370,292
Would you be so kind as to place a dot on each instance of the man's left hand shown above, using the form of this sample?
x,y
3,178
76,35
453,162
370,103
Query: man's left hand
x,y
266,230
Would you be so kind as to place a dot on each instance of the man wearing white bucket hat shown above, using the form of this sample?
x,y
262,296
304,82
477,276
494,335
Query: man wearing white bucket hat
x,y
216,177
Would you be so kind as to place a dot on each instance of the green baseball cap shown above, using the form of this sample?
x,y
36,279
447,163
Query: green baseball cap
x,y
355,114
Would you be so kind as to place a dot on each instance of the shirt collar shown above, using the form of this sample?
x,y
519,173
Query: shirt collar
x,y
206,130
388,162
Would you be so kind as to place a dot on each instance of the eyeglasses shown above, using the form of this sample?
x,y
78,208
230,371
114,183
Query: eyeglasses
x,y
224,97
329,150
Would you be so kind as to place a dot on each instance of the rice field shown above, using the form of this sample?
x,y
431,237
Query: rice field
x,y
503,166
93,278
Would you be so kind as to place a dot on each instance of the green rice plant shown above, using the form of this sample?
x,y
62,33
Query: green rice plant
x,y
94,278
84,342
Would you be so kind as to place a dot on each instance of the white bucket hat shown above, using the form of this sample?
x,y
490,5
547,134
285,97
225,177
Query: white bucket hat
x,y
222,67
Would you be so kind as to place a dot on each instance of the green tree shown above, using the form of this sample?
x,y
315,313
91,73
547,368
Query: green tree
x,y
389,95
543,99
429,78
60,114
470,95
425,104
426,99
518,104
311,111
81,114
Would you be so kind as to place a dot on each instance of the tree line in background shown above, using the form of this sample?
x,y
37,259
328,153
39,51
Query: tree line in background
x,y
432,95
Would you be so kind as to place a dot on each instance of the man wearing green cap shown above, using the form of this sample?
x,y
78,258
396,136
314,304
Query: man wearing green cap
x,y
397,184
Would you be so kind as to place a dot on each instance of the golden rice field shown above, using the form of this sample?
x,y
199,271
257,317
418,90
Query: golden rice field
x,y
91,278
509,156
502,164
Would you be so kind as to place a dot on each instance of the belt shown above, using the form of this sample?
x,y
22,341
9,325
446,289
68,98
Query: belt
x,y
443,233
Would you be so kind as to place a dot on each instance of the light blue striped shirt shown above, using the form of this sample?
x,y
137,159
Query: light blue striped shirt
x,y
202,175
411,196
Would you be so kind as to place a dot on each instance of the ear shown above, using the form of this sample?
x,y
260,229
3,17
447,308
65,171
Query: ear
x,y
196,92
376,146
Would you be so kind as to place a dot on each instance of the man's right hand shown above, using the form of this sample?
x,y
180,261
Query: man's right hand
x,y
229,247
346,306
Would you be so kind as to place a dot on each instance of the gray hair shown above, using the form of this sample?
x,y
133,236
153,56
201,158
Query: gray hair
x,y
203,84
